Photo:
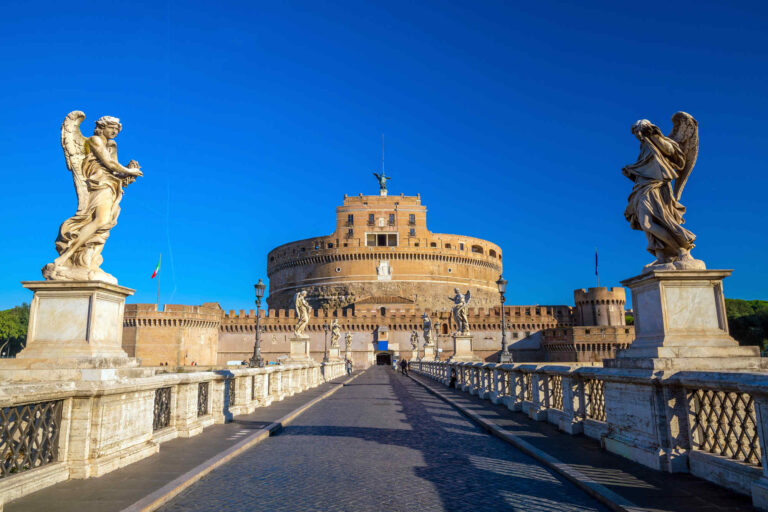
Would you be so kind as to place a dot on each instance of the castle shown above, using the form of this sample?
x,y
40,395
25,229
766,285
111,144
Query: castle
x,y
377,274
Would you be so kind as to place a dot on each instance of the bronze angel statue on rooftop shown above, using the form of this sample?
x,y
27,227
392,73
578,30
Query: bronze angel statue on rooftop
x,y
659,175
99,181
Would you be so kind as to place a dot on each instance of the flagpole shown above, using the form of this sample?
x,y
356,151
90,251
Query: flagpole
x,y
158,284
597,272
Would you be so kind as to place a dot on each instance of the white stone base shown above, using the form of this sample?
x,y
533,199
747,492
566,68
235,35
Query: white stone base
x,y
462,349
333,354
680,324
75,320
75,333
429,353
299,350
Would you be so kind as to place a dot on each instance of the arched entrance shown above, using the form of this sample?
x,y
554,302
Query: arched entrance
x,y
384,358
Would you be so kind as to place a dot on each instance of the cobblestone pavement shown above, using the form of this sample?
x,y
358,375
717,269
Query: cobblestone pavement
x,y
383,443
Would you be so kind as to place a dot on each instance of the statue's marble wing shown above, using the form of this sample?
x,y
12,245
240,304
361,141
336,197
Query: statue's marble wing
x,y
73,143
466,297
685,131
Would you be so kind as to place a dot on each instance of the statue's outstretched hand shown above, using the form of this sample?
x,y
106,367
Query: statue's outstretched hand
x,y
134,165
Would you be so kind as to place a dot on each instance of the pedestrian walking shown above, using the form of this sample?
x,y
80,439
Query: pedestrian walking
x,y
404,366
349,366
452,383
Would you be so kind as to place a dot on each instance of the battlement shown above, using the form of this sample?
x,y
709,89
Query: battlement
x,y
601,295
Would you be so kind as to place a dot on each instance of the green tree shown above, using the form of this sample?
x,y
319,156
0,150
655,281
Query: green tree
x,y
748,321
13,329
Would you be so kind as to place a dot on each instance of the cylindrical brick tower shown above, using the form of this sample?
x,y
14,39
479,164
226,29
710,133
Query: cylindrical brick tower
x,y
600,306
383,254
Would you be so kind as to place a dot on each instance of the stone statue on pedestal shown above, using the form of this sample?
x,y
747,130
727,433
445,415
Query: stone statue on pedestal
x,y
414,340
303,309
461,303
426,324
99,181
335,334
659,175
348,340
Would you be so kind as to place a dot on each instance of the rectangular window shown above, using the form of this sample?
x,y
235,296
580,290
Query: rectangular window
x,y
391,219
412,232
370,219
370,240
412,219
392,240
461,247
350,219
350,232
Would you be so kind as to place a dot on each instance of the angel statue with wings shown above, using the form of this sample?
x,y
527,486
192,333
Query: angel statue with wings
x,y
659,174
426,326
382,182
335,333
460,305
99,180
303,310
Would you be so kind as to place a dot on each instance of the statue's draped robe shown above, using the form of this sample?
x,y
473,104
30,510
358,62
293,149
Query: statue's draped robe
x,y
652,196
104,188
460,315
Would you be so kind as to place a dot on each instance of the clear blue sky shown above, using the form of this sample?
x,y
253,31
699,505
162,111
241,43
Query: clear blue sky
x,y
252,119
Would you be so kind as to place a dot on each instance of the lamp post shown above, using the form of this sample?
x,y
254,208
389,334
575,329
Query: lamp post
x,y
437,340
325,345
257,361
504,357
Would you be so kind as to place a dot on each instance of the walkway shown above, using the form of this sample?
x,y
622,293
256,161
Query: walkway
x,y
383,443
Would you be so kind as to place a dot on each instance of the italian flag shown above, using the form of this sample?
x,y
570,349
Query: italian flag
x,y
157,268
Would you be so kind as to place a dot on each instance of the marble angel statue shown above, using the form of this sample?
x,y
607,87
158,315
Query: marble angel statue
x,y
303,310
426,326
659,175
414,340
335,333
460,305
99,181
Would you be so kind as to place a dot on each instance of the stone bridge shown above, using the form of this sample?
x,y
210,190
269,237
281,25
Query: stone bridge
x,y
309,437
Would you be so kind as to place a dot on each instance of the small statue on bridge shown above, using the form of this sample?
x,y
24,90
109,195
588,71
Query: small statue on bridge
x,y
414,340
348,340
461,303
426,325
303,309
335,333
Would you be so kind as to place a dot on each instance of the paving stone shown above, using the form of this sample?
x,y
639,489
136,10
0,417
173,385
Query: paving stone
x,y
383,443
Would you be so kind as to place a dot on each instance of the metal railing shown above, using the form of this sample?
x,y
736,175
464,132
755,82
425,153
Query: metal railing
x,y
29,436
162,411
202,398
724,423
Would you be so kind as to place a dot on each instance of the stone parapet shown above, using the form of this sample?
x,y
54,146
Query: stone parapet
x,y
91,428
713,424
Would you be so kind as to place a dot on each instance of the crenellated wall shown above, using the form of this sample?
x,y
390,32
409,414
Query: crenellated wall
x,y
178,335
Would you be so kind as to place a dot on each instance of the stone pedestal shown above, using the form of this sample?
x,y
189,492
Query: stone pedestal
x,y
299,350
680,324
75,332
413,355
429,353
462,349
334,354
